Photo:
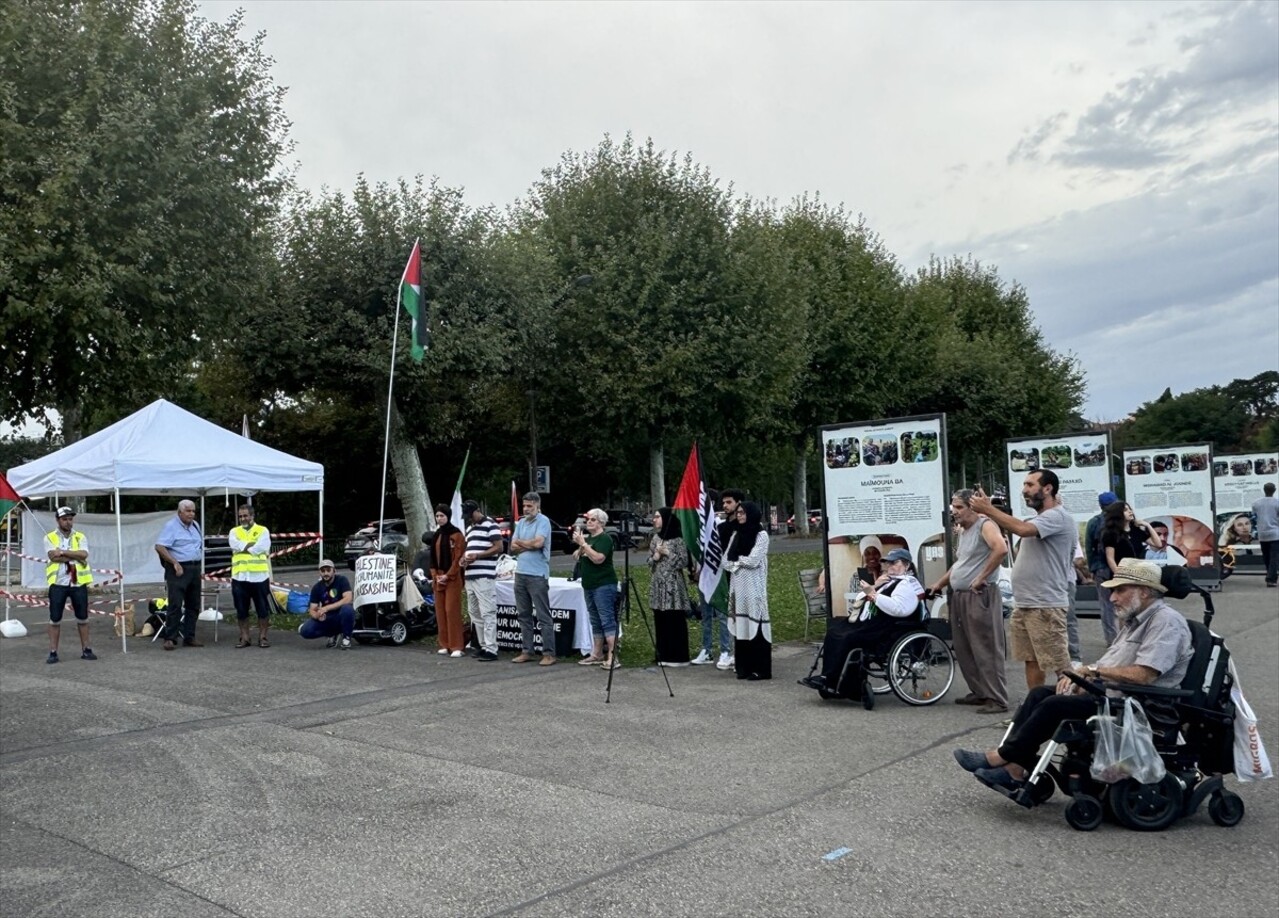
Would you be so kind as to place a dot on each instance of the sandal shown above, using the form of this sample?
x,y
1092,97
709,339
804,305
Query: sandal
x,y
592,660
243,642
263,642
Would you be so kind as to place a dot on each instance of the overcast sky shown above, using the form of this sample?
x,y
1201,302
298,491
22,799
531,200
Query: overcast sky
x,y
1119,160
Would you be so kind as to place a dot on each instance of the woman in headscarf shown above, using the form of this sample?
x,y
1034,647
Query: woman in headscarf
x,y
746,560
668,592
447,547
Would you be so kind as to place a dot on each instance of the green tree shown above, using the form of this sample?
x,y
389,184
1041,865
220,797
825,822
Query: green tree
x,y
1239,416
141,146
848,314
676,338
985,363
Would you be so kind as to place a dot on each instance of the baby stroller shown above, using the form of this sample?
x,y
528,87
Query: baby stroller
x,y
1193,731
384,621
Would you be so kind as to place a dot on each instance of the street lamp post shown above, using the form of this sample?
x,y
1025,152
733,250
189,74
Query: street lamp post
x,y
582,280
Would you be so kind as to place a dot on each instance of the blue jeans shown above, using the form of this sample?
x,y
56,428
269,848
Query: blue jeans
x,y
342,621
601,606
709,614
1109,627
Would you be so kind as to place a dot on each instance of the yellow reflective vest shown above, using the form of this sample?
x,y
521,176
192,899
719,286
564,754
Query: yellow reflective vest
x,y
243,563
54,540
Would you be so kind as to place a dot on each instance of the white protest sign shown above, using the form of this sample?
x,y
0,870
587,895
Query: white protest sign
x,y
374,579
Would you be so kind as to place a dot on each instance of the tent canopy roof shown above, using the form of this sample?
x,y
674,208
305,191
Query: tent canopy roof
x,y
164,449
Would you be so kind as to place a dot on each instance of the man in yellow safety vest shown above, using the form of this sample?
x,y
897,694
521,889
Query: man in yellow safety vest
x,y
68,575
250,575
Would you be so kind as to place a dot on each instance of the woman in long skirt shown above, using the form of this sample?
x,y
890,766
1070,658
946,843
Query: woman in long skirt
x,y
747,564
668,593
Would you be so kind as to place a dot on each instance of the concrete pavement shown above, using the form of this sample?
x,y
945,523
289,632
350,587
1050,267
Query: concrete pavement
x,y
300,781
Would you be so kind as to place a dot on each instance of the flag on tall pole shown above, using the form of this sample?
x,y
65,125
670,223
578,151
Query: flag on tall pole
x,y
411,300
700,530
455,507
8,497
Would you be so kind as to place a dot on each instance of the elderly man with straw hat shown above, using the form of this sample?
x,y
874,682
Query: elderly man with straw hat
x,y
1153,648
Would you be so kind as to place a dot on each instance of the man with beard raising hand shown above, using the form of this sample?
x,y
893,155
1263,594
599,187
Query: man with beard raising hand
x,y
1043,574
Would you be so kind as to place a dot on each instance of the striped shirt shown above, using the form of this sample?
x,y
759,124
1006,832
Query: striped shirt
x,y
480,537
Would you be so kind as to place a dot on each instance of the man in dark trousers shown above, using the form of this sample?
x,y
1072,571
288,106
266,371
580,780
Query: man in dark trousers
x,y
181,550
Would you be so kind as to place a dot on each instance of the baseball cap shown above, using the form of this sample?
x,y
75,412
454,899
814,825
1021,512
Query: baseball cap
x,y
469,507
65,511
898,554
1106,498
325,562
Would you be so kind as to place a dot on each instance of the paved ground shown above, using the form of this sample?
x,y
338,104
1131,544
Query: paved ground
x,y
300,781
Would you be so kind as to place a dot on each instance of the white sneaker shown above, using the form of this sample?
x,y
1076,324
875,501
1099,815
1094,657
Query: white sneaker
x,y
725,661
456,654
443,651
345,643
702,658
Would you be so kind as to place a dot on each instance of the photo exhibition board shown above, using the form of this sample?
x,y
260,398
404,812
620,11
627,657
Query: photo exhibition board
x,y
1173,486
1081,463
884,487
1237,482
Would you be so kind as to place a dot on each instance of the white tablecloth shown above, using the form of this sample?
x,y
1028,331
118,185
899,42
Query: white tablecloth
x,y
565,595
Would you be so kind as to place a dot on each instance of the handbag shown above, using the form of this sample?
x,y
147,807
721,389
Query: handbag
x,y
1251,761
1125,746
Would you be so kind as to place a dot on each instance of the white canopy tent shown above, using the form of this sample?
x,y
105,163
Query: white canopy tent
x,y
164,449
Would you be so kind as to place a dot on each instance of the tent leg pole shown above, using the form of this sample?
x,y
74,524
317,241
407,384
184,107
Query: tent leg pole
x,y
119,547
321,522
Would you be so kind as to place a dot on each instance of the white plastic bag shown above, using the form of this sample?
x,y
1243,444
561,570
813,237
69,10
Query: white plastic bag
x,y
1251,761
1125,746
505,567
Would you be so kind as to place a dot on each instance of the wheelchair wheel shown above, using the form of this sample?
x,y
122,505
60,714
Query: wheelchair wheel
x,y
868,697
1225,809
921,669
1084,813
1147,807
399,631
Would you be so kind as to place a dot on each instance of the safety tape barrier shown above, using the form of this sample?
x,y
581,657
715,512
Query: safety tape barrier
x,y
119,575
275,554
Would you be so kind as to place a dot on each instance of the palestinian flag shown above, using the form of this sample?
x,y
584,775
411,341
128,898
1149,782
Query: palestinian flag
x,y
411,300
8,497
701,530
455,507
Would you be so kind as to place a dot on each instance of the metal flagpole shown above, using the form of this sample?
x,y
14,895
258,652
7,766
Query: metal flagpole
x,y
390,390
386,442
119,547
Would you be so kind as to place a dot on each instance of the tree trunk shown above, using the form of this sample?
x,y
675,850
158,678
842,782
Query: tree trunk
x,y
656,476
801,492
410,484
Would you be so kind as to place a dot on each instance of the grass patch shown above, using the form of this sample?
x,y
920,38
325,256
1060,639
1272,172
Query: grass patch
x,y
785,608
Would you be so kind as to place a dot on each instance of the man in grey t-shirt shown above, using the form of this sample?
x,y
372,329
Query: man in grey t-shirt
x,y
1043,575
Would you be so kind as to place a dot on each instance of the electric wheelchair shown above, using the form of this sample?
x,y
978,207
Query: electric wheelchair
x,y
1193,731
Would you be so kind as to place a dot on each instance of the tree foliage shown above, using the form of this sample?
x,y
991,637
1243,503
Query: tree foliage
x,y
1239,416
141,146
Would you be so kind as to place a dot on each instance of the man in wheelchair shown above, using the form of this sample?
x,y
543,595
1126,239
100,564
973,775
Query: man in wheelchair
x,y
1153,648
893,605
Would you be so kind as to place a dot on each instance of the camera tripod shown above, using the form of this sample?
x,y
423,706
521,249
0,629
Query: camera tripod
x,y
632,592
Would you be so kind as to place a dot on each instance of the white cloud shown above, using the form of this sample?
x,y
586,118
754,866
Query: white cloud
x,y
1121,160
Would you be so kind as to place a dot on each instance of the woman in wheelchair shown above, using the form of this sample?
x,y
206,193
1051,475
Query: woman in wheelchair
x,y
893,605
1153,648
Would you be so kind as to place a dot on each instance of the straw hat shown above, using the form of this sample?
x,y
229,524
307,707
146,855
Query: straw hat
x,y
1133,572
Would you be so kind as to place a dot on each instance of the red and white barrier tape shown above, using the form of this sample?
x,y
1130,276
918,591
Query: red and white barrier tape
x,y
274,554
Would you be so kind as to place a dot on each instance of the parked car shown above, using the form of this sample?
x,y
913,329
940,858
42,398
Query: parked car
x,y
395,538
561,540
814,521
217,553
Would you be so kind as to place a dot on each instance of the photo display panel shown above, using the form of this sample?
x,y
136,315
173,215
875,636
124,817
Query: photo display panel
x,y
1237,484
1172,487
1081,463
884,486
